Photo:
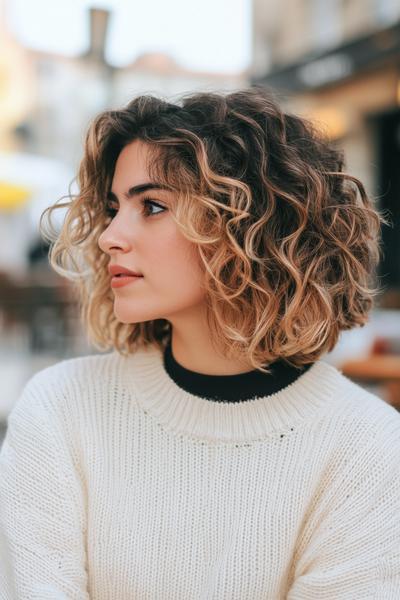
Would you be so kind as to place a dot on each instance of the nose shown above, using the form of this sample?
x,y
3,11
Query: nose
x,y
114,238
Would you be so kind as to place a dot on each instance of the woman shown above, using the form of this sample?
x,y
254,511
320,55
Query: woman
x,y
219,250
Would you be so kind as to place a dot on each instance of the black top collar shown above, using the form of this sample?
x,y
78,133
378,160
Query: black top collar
x,y
232,388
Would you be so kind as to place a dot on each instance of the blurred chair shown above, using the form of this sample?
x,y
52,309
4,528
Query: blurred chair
x,y
43,307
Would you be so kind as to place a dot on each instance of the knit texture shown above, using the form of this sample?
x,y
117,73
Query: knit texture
x,y
116,484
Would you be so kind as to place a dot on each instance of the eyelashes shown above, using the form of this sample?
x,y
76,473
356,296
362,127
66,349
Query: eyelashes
x,y
147,204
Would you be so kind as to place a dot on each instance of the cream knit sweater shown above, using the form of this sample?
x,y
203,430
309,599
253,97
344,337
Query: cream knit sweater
x,y
116,484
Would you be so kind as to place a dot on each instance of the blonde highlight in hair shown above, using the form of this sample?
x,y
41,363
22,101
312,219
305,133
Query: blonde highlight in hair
x,y
289,242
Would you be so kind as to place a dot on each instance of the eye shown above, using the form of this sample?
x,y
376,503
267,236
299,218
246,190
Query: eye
x,y
109,211
147,202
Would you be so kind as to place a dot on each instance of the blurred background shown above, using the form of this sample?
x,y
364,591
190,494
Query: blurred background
x,y
334,61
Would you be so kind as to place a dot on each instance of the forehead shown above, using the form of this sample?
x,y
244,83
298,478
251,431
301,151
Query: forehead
x,y
132,164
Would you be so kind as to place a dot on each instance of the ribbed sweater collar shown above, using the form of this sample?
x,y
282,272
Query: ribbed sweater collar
x,y
183,413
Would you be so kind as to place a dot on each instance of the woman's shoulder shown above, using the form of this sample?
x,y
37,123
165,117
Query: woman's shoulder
x,y
361,417
59,386
74,366
69,373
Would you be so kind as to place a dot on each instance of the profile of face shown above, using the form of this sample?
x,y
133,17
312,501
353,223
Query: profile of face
x,y
143,237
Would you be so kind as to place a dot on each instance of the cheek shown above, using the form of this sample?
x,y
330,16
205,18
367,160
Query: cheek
x,y
176,263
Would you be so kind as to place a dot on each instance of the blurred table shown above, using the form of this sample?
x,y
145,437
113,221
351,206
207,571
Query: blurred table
x,y
383,369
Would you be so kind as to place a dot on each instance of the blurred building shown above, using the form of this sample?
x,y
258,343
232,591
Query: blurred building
x,y
16,75
68,92
47,102
338,62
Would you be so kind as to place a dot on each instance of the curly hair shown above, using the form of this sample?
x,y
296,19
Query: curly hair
x,y
288,241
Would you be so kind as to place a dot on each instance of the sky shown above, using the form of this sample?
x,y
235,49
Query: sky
x,y
202,35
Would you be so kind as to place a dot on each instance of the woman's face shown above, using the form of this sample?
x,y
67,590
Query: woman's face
x,y
143,237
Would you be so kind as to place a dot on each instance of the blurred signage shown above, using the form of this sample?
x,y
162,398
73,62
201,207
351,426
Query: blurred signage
x,y
338,64
326,69
12,197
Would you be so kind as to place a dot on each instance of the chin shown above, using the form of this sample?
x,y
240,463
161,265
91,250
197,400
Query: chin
x,y
130,317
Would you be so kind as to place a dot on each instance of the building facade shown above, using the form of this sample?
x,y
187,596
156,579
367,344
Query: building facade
x,y
52,102
67,92
338,63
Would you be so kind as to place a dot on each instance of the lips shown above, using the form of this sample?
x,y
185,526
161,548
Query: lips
x,y
119,271
122,280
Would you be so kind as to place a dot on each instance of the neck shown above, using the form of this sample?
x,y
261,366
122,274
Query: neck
x,y
192,348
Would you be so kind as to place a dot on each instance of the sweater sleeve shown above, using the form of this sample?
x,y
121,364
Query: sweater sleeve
x,y
42,516
350,548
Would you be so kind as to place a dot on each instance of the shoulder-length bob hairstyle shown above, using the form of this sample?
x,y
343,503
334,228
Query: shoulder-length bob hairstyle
x,y
288,241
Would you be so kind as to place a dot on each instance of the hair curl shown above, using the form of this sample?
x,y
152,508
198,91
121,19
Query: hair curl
x,y
288,241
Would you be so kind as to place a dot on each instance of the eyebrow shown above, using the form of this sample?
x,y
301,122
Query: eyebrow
x,y
138,189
